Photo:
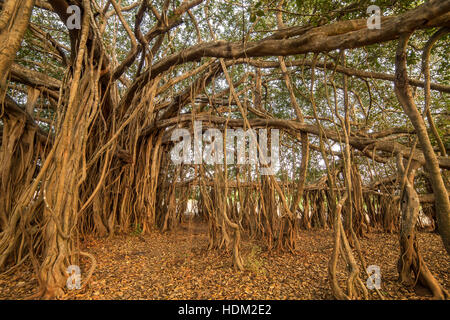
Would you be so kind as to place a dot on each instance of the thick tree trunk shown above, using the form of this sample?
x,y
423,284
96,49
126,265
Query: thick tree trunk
x,y
411,266
405,97
66,171
14,20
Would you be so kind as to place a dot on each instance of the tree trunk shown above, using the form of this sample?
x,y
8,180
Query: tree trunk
x,y
405,97
411,266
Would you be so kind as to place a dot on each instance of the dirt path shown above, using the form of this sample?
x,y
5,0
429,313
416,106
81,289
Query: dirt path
x,y
178,266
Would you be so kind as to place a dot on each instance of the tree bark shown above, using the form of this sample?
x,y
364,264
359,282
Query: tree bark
x,y
14,19
405,97
411,266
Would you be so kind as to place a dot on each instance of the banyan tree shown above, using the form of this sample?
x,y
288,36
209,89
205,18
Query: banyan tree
x,y
97,94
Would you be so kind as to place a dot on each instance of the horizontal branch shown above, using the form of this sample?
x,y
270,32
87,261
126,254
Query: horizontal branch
x,y
360,143
12,109
345,70
340,35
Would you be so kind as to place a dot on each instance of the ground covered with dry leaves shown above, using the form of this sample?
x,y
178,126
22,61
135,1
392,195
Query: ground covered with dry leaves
x,y
176,265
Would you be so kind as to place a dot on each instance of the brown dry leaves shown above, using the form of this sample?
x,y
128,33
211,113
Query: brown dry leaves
x,y
177,266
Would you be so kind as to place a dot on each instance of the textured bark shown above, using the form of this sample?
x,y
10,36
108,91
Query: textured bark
x,y
411,266
14,19
65,173
405,97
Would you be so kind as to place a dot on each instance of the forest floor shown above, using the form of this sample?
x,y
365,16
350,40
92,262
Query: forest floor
x,y
176,265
